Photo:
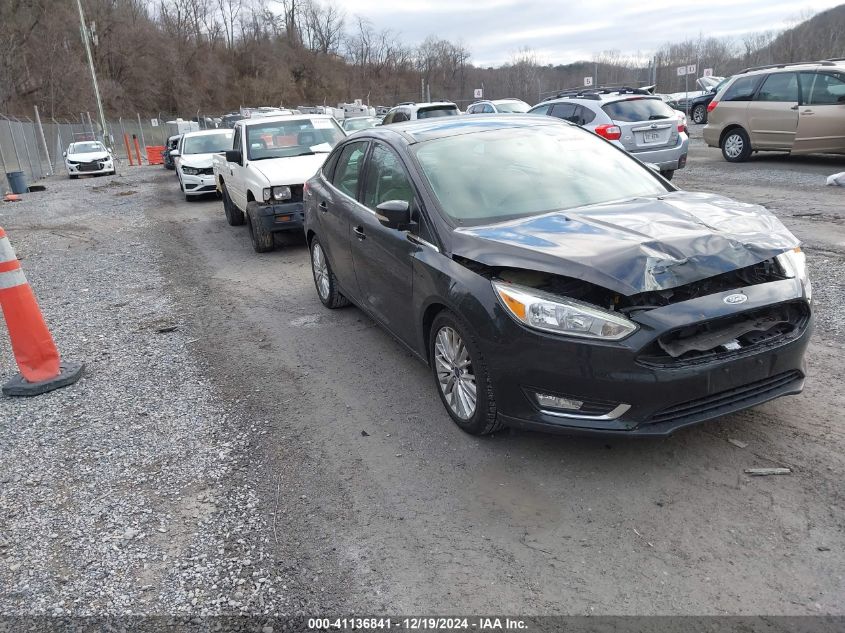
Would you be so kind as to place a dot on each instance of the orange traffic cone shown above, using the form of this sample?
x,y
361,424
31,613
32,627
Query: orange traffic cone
x,y
33,346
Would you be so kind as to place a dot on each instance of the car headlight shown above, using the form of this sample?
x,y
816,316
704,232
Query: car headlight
x,y
794,265
550,313
281,193
277,193
191,171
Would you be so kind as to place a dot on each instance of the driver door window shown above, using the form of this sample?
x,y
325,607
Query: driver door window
x,y
386,179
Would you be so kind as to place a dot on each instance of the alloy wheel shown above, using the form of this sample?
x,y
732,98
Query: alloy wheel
x,y
321,271
454,372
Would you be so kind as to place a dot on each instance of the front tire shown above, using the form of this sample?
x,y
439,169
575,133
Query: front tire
x,y
699,114
324,280
261,238
736,146
234,216
460,374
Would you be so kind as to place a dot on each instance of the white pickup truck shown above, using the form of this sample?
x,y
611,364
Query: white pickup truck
x,y
260,179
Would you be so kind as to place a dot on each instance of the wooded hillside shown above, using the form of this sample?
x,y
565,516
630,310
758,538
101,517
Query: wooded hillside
x,y
184,56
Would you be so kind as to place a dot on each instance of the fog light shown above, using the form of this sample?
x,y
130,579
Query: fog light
x,y
557,402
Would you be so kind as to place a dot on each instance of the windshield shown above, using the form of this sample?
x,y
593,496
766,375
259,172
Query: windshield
x,y
430,113
516,107
638,109
362,123
497,175
293,137
86,148
207,143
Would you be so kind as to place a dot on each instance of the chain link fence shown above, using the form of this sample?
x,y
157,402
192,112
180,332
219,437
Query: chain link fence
x,y
35,145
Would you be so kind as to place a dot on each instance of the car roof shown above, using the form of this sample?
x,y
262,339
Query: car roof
x,y
442,127
207,132
825,64
598,98
280,118
424,105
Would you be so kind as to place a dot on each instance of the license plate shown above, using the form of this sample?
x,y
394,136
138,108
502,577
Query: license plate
x,y
651,137
88,167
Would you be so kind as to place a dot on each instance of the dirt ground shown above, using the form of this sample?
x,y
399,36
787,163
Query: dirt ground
x,y
362,478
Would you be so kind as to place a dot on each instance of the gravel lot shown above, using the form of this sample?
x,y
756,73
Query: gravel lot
x,y
234,448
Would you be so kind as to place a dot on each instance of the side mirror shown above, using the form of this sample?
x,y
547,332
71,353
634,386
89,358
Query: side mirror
x,y
64,154
234,156
109,150
394,214
174,152
653,167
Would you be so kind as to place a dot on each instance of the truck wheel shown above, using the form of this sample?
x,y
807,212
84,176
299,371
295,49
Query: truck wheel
x,y
234,216
262,239
699,114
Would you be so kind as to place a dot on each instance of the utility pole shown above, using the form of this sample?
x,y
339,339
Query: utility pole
x,y
84,31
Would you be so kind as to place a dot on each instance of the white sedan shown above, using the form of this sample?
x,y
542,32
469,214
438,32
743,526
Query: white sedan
x,y
88,157
193,160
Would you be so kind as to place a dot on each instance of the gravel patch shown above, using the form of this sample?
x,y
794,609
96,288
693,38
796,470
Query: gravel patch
x,y
127,492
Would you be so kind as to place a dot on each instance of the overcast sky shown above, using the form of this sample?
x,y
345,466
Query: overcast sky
x,y
562,32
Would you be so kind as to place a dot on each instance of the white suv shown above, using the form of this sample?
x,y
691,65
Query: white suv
x,y
414,111
638,122
499,106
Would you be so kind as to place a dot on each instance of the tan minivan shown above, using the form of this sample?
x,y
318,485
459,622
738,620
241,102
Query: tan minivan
x,y
797,108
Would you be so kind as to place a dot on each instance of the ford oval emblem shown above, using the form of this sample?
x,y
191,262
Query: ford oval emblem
x,y
735,298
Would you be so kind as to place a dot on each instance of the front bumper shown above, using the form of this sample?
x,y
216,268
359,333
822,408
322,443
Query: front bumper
x,y
282,216
625,396
669,158
197,185
84,169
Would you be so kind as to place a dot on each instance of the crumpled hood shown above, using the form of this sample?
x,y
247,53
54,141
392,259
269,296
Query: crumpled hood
x,y
294,170
200,161
87,157
634,246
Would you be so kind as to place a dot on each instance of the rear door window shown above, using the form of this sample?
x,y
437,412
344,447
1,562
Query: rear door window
x,y
563,111
348,169
779,87
541,109
638,109
742,89
586,115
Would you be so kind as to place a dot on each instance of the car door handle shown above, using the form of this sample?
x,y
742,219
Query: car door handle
x,y
806,112
359,231
323,206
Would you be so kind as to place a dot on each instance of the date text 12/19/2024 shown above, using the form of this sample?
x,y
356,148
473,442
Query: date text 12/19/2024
x,y
417,624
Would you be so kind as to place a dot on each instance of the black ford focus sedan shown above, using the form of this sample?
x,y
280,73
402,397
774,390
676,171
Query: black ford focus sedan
x,y
552,281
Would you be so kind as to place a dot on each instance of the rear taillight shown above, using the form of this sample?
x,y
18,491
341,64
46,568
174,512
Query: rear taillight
x,y
682,127
712,106
304,188
610,132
